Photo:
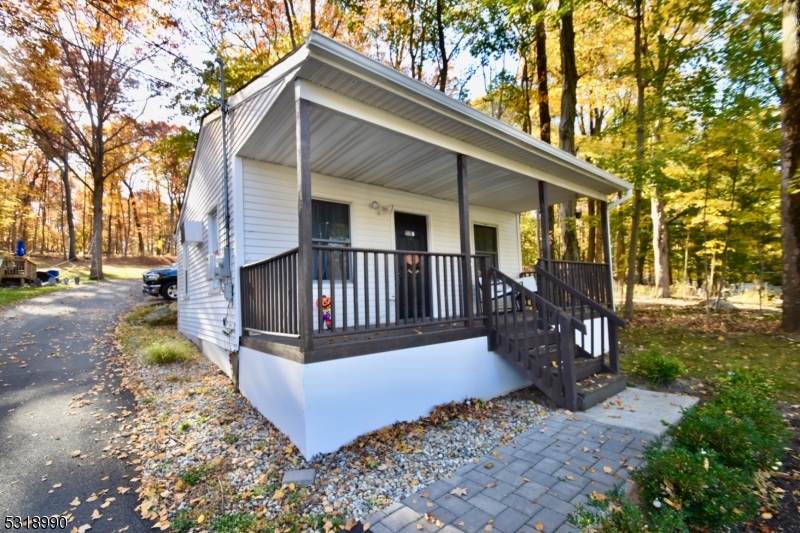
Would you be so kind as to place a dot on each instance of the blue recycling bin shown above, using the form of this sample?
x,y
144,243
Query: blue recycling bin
x,y
52,273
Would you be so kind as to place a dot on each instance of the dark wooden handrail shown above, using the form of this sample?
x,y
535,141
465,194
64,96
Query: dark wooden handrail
x,y
592,279
269,295
366,289
534,297
535,336
582,298
272,259
577,303
382,251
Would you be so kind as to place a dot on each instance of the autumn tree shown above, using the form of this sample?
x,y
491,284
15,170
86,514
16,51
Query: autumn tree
x,y
98,71
30,95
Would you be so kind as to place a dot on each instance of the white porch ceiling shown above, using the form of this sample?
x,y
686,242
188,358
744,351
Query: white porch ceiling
x,y
347,148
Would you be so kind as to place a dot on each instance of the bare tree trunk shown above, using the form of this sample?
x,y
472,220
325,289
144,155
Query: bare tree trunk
x,y
541,72
566,130
637,194
96,270
110,214
660,246
290,21
442,45
686,259
136,218
313,9
790,158
71,254
727,235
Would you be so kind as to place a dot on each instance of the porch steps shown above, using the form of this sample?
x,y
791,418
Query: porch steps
x,y
598,388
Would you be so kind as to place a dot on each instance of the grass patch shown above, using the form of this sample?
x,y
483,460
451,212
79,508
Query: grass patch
x,y
233,523
156,344
708,345
194,475
167,352
230,438
10,296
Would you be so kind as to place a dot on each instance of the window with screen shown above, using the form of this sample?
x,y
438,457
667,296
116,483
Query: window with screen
x,y
486,242
330,226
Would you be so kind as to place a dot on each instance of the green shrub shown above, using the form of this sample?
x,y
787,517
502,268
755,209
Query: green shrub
x,y
659,368
770,426
709,493
752,380
746,432
615,513
165,352
233,523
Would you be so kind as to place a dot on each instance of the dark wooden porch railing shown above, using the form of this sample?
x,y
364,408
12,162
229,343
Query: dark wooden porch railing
x,y
603,323
589,278
269,295
360,289
535,336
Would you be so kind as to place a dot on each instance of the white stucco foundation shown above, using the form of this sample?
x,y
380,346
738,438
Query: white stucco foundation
x,y
219,356
323,406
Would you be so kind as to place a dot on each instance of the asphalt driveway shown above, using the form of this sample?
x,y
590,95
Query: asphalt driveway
x,y
64,419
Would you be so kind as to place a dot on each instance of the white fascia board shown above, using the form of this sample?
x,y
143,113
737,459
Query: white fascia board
x,y
353,108
332,53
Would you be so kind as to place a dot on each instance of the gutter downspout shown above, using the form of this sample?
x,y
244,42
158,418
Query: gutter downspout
x,y
609,207
223,107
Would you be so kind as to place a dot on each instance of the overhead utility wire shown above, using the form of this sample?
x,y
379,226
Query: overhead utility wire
x,y
144,38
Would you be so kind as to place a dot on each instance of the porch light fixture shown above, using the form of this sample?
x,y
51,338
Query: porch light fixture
x,y
380,209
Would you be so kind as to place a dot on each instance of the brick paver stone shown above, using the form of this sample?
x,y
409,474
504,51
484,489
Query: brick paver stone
x,y
400,519
538,479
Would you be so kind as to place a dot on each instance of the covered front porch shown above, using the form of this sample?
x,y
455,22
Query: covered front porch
x,y
329,298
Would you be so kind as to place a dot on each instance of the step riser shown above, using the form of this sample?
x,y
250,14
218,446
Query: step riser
x,y
590,399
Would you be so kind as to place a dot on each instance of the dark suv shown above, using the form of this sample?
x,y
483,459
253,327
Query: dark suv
x,y
161,282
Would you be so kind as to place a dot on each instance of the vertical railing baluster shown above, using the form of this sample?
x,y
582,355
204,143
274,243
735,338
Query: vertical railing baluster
x,y
414,286
332,287
320,320
453,284
366,292
422,267
355,289
344,290
385,289
438,288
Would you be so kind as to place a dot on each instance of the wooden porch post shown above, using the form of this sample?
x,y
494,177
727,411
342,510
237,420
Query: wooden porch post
x,y
544,217
463,224
607,252
305,269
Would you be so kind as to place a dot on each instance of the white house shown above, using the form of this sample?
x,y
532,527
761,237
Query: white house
x,y
369,264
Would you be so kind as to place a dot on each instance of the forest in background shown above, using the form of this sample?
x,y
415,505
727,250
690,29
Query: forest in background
x,y
681,98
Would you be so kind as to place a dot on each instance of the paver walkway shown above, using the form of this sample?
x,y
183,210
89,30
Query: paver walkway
x,y
538,479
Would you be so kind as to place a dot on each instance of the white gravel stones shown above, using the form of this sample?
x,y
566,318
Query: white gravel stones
x,y
190,416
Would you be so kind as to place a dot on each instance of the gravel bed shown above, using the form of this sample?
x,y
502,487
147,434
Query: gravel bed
x,y
189,417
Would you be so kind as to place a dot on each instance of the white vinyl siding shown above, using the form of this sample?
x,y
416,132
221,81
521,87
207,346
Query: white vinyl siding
x,y
270,215
202,306
270,225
